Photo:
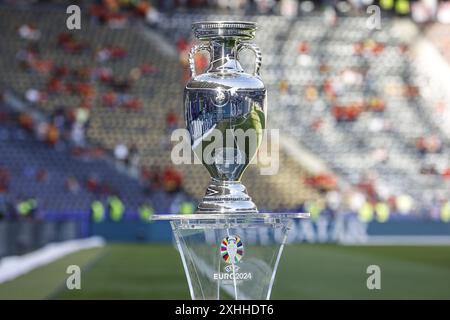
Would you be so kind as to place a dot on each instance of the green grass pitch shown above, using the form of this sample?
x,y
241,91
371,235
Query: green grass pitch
x,y
143,271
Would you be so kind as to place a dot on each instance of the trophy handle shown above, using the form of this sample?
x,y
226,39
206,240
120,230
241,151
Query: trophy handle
x,y
194,50
256,51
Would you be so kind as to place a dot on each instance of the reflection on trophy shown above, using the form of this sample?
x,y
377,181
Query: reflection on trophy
x,y
225,112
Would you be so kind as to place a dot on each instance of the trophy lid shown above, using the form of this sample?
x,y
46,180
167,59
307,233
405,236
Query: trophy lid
x,y
205,30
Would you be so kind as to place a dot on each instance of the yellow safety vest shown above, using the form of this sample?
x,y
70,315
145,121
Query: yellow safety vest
x,y
314,209
402,6
445,212
187,207
366,212
98,211
387,4
382,212
145,212
116,209
25,207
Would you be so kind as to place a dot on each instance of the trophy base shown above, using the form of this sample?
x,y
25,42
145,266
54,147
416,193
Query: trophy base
x,y
226,197
231,256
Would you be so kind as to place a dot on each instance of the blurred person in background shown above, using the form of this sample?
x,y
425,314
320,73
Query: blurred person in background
x,y
151,178
26,207
97,211
133,159
116,208
171,121
71,184
121,152
5,177
145,211
4,187
172,180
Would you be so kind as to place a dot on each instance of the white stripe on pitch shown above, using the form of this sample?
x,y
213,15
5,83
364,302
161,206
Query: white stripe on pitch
x,y
14,266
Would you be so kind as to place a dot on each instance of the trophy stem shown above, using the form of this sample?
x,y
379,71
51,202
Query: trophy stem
x,y
226,197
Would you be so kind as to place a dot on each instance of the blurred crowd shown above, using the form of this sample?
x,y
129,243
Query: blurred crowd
x,y
64,126
370,194
421,11
119,13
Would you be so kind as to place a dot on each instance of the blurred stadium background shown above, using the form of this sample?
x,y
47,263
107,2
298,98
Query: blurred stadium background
x,y
85,123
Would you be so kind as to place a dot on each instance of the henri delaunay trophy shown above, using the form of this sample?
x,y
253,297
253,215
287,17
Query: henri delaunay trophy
x,y
228,248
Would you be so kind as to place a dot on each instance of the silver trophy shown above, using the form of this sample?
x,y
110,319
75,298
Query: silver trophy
x,y
228,248
225,113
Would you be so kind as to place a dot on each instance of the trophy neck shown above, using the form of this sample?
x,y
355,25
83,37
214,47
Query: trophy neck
x,y
224,58
224,38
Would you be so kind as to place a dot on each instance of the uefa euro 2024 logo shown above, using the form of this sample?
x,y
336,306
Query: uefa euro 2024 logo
x,y
232,249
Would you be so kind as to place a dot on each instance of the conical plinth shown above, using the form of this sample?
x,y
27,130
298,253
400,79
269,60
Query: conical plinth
x,y
231,256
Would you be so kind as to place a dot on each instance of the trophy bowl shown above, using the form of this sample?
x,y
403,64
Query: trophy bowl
x,y
225,113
